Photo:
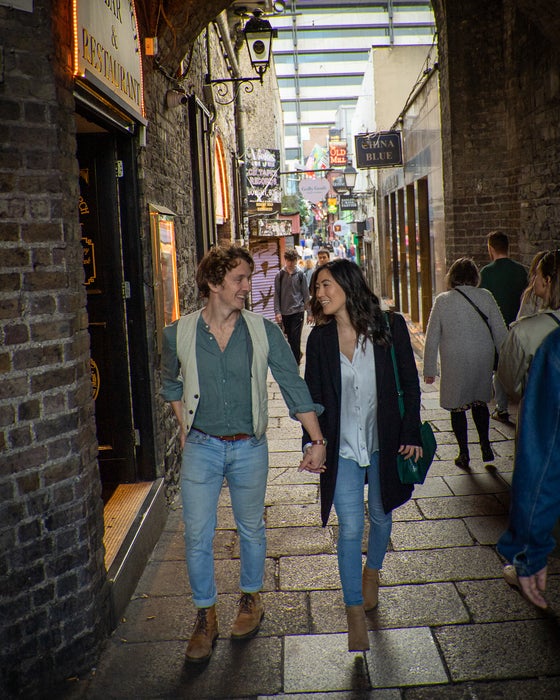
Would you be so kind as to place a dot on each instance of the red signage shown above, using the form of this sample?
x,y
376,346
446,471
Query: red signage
x,y
338,153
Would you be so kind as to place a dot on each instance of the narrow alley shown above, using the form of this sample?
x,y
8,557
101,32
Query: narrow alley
x,y
447,625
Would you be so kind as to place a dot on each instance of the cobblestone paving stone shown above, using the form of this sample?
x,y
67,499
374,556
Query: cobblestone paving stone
x,y
447,626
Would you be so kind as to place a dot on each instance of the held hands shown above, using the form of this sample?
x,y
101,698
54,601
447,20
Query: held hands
x,y
313,459
414,451
429,380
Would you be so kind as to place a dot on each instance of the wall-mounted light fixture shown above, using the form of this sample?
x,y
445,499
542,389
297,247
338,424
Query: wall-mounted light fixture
x,y
175,98
258,34
350,175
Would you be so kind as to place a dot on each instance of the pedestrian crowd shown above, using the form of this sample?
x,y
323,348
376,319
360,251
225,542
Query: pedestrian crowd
x,y
359,409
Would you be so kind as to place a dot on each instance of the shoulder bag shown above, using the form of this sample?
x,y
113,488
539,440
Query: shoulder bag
x,y
484,317
411,472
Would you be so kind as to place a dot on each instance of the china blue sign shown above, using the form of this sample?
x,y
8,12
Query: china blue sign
x,y
380,150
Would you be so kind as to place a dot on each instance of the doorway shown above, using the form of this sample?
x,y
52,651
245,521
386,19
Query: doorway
x,y
106,294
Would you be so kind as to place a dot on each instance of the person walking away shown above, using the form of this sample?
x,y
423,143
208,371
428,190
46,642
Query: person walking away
x,y
349,371
291,298
526,334
466,344
506,279
214,374
535,489
530,302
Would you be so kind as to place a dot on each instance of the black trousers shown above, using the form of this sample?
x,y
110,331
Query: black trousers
x,y
293,327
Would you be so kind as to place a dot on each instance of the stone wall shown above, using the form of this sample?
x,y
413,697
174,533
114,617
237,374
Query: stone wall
x,y
500,128
533,97
54,607
54,603
167,179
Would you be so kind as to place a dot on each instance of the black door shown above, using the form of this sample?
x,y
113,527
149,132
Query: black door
x,y
106,303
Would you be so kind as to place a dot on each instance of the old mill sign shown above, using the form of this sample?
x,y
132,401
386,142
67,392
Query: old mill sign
x,y
380,150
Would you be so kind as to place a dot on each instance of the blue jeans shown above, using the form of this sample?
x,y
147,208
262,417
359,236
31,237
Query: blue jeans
x,y
349,505
207,461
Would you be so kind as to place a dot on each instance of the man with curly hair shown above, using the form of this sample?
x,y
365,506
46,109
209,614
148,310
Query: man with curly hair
x,y
214,374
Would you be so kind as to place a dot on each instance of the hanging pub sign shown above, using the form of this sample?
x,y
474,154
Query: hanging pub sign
x,y
338,152
107,51
378,150
267,228
348,203
264,194
314,189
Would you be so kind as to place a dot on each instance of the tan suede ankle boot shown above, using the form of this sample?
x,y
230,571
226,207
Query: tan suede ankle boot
x,y
357,628
203,637
370,588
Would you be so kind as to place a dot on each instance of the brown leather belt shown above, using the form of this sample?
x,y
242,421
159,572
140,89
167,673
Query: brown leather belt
x,y
227,438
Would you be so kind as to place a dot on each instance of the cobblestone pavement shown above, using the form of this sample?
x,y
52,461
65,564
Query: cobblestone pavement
x,y
447,625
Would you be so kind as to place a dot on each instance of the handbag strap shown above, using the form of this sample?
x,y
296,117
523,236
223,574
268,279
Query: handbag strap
x,y
482,315
549,313
396,371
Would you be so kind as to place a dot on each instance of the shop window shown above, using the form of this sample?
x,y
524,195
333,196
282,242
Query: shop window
x,y
166,290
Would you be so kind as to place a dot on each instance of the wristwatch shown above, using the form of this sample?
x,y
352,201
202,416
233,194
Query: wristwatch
x,y
315,442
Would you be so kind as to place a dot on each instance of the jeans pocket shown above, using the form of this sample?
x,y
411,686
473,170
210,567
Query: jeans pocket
x,y
255,441
197,438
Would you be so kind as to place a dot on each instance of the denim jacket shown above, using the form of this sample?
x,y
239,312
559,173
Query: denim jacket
x,y
535,497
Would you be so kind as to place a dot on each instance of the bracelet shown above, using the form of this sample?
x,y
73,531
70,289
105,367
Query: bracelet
x,y
314,442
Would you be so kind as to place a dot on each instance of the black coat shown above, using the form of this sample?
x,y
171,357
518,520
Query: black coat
x,y
323,377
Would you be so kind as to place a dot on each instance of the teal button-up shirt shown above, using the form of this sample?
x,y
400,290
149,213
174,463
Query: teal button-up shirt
x,y
225,377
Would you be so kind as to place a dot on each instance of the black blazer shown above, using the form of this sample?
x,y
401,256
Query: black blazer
x,y
323,377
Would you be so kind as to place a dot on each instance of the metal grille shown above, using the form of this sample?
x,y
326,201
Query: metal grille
x,y
266,254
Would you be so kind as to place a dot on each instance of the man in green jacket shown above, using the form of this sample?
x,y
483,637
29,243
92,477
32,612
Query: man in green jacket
x,y
506,279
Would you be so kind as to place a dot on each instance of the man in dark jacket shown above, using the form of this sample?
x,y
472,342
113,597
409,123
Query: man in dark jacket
x,y
506,279
291,298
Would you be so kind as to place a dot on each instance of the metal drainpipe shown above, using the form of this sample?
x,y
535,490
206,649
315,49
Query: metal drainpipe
x,y
239,115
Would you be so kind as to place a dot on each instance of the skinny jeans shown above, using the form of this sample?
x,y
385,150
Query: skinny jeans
x,y
206,462
349,506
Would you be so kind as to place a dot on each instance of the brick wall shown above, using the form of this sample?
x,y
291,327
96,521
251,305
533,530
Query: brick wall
x,y
500,128
167,179
54,595
54,609
533,97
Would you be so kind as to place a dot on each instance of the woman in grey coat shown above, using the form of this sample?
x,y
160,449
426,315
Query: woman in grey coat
x,y
467,327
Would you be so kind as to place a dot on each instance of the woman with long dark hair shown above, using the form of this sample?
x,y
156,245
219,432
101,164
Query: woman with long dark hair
x,y
350,372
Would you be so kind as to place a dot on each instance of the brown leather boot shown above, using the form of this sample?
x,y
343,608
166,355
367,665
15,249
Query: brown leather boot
x,y
203,637
370,588
249,616
357,628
